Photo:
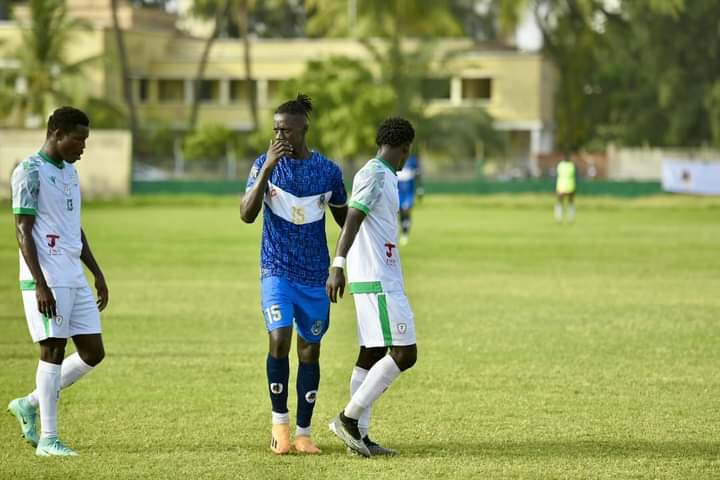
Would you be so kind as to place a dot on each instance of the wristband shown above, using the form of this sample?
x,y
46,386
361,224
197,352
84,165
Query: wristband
x,y
338,262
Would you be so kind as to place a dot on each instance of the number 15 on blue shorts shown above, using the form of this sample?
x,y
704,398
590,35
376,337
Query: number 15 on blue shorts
x,y
285,301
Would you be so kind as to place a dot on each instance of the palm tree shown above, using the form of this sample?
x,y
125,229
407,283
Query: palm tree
x,y
221,9
239,11
125,68
392,23
43,77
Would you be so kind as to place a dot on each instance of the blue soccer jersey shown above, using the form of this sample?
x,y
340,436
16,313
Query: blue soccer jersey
x,y
407,183
294,245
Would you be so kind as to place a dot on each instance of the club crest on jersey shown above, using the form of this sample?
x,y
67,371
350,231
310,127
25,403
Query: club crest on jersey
x,y
402,327
276,388
58,320
321,201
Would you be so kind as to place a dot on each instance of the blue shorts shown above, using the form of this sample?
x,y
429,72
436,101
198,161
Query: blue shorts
x,y
284,301
406,192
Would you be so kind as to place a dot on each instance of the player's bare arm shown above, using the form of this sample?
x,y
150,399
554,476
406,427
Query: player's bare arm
x,y
339,214
252,200
23,232
335,285
88,259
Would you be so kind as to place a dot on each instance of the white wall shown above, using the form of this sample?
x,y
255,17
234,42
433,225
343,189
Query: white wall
x,y
105,167
647,163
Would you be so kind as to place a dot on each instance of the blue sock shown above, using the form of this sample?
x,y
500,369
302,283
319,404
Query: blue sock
x,y
278,373
308,381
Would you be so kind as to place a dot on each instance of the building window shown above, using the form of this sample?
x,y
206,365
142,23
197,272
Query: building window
x,y
143,87
240,90
209,91
437,88
476,88
171,91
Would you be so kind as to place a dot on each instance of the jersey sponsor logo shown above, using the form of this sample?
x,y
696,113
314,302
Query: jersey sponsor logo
x,y
391,259
276,388
52,241
311,396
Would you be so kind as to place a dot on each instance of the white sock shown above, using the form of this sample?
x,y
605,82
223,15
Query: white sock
x,y
302,432
378,379
571,213
558,212
279,418
47,379
357,378
73,368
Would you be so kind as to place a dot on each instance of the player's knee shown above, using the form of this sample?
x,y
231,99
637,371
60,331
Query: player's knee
x,y
309,352
370,356
52,350
93,357
280,341
405,357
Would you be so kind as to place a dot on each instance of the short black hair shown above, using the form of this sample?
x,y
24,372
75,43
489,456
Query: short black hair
x,y
302,105
395,131
66,119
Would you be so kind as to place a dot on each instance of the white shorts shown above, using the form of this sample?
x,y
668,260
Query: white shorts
x,y
77,314
384,319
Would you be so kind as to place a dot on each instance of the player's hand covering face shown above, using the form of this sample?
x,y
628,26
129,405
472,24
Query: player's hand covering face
x,y
277,150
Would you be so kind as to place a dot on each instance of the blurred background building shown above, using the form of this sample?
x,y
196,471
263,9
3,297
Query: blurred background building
x,y
498,89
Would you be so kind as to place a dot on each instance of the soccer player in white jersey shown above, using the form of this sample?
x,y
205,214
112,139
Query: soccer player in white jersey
x,y
58,301
384,318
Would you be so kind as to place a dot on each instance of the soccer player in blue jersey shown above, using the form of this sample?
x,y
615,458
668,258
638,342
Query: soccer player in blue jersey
x,y
409,185
295,184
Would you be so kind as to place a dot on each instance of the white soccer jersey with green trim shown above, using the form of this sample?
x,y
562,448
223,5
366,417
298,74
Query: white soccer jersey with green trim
x,y
50,191
374,256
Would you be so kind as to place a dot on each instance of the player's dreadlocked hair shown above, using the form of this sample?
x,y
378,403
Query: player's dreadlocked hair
x,y
395,131
302,105
66,119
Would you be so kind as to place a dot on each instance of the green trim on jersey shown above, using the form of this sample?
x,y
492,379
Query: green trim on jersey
x,y
384,320
46,324
359,206
24,211
47,158
390,167
365,287
27,284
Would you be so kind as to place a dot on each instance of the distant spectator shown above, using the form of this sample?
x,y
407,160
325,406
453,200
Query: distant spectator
x,y
565,190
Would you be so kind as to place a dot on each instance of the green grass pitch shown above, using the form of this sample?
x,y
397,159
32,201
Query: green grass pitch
x,y
545,350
